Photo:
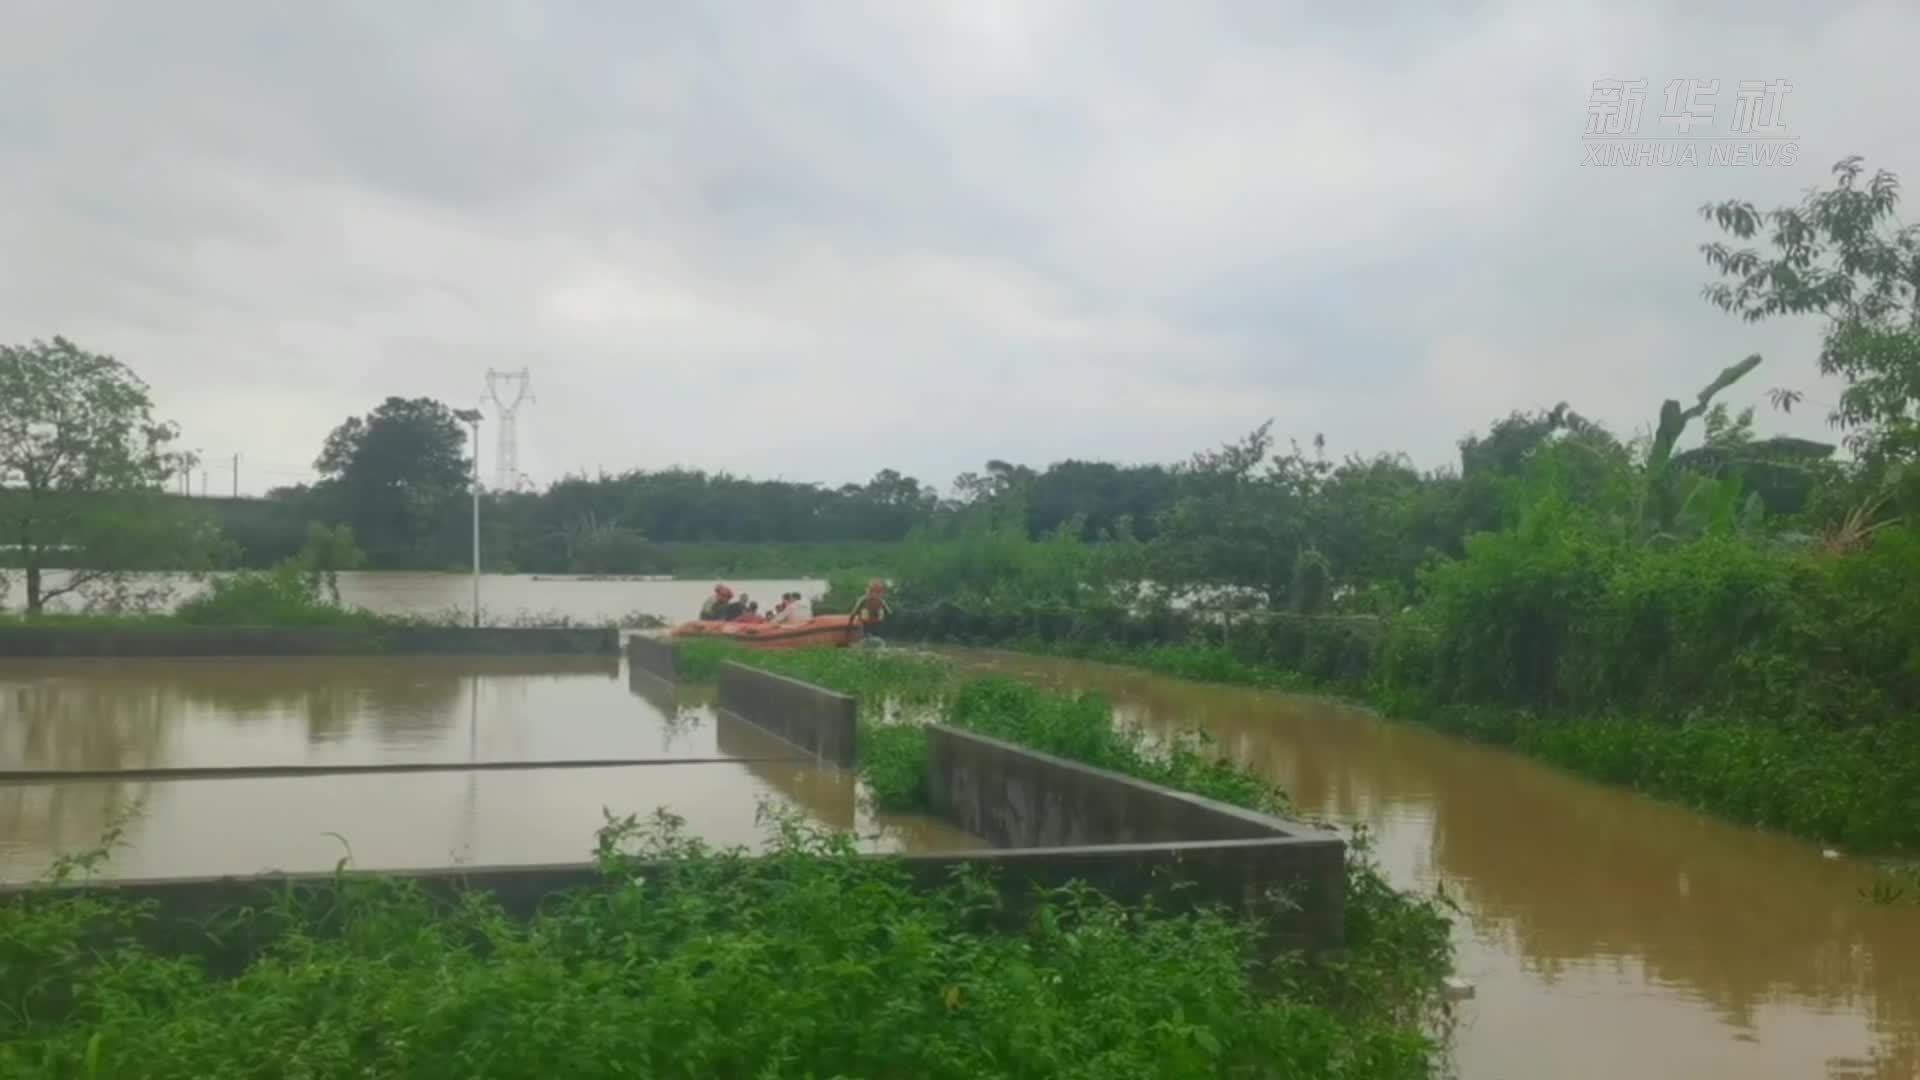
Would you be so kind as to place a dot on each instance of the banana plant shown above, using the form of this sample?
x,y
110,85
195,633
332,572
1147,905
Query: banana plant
x,y
1662,501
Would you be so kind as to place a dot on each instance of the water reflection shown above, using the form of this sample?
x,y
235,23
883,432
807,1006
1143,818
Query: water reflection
x,y
832,796
127,714
151,713
1597,921
686,710
828,793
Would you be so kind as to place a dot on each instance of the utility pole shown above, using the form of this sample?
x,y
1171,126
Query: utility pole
x,y
472,416
236,474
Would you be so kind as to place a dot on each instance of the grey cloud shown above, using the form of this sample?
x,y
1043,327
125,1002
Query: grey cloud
x,y
1099,229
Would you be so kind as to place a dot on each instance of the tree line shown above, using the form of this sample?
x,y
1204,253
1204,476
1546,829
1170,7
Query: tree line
x,y
83,462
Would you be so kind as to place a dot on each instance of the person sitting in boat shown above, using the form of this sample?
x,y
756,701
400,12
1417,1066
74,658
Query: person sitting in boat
x,y
739,607
715,607
791,610
751,615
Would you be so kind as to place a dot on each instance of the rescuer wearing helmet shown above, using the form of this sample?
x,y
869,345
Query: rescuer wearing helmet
x,y
715,608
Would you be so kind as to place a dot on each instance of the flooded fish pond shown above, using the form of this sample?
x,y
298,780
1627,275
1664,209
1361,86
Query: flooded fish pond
x,y
1606,934
126,715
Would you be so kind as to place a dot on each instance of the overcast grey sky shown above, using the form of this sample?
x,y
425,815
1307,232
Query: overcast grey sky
x,y
813,238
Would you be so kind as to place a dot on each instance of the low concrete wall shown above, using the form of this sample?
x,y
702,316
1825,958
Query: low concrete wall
x,y
655,655
107,642
189,912
1060,817
1011,796
810,717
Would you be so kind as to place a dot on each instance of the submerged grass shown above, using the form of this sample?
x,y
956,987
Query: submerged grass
x,y
688,962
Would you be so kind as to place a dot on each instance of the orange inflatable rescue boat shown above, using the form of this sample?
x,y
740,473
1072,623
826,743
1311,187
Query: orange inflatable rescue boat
x,y
821,631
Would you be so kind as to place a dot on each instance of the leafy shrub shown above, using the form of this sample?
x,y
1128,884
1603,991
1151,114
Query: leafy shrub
x,y
848,971
998,566
286,596
893,762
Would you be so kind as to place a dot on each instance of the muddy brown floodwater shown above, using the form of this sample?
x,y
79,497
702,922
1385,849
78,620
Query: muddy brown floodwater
x,y
148,714
1607,934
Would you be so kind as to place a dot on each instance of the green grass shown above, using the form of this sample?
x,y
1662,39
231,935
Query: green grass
x,y
1080,727
1199,663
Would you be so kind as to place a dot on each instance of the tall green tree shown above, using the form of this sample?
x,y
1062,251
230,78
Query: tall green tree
x,y
1841,254
82,467
395,473
1242,517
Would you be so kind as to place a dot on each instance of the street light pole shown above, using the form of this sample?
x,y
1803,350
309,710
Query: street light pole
x,y
472,416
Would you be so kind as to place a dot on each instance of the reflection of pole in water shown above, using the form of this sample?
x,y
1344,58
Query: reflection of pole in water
x,y
473,777
473,717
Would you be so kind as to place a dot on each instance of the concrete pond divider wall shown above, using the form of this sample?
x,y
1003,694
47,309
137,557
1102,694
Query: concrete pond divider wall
x,y
656,656
813,718
1054,820
116,642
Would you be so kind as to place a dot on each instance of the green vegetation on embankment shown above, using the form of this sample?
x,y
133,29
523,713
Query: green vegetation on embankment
x,y
1078,727
1771,681
1770,685
1398,947
811,961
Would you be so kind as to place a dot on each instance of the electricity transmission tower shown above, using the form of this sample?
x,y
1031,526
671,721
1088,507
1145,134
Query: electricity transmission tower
x,y
508,389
